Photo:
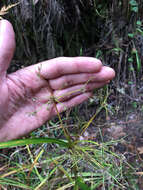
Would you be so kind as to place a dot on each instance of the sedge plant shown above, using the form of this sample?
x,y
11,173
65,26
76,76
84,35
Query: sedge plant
x,y
83,164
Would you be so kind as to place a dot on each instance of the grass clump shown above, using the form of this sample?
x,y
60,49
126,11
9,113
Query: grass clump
x,y
84,164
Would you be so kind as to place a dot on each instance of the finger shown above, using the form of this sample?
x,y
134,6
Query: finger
x,y
105,74
36,76
72,102
7,45
64,65
68,93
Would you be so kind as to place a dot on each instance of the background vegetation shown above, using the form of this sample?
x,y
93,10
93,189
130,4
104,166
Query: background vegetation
x,y
102,154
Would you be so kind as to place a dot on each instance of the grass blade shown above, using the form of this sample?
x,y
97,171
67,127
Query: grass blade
x,y
14,183
23,142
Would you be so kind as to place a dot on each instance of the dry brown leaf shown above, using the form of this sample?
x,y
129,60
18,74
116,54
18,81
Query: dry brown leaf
x,y
4,9
140,149
139,173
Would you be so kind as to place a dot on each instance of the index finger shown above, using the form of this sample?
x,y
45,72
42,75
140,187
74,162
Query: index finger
x,y
69,65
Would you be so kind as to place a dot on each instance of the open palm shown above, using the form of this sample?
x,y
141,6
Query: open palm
x,y
30,96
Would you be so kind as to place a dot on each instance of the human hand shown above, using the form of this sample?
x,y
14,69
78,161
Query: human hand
x,y
30,96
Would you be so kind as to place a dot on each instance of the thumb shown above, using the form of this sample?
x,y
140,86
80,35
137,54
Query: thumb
x,y
7,45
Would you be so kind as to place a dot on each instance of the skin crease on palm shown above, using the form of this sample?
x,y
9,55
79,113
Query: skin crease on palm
x,y
26,95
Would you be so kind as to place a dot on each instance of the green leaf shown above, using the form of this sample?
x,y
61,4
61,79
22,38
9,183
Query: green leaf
x,y
81,184
130,82
130,59
23,142
140,31
134,9
134,104
138,23
130,35
133,3
138,61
